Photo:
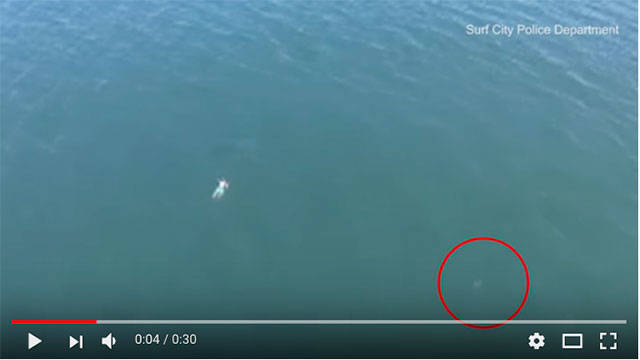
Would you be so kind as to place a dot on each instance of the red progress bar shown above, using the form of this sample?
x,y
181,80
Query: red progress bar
x,y
16,322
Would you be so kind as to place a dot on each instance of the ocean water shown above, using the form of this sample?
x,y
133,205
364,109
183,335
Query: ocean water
x,y
362,142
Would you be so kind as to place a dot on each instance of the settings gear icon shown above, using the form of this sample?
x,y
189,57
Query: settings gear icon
x,y
536,340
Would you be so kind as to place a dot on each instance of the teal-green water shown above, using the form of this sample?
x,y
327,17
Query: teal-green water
x,y
362,142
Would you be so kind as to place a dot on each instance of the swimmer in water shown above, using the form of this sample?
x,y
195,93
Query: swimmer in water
x,y
219,191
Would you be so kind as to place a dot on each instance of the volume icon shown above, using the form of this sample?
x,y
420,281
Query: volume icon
x,y
109,341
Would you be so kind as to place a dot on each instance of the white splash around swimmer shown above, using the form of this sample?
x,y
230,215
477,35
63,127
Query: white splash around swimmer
x,y
218,193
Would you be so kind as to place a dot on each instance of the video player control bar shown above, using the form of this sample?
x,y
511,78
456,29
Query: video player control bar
x,y
318,322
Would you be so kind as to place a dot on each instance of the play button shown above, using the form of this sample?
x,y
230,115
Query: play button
x,y
32,341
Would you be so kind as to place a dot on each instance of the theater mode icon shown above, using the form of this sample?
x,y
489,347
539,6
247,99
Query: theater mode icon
x,y
572,341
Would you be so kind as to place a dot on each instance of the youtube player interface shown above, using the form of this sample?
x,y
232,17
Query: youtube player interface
x,y
315,179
